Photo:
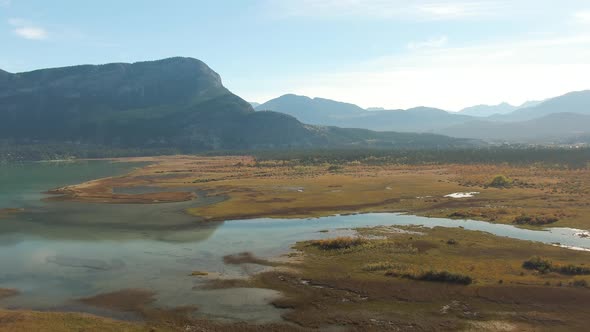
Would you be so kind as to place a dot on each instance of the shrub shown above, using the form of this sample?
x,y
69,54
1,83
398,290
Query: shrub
x,y
580,283
573,269
538,220
500,181
460,215
538,264
335,168
343,242
544,266
451,242
435,276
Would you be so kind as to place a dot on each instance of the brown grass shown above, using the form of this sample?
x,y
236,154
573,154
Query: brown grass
x,y
343,242
286,189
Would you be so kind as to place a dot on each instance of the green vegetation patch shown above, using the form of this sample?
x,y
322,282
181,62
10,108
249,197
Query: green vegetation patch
x,y
545,266
535,221
343,242
500,181
435,276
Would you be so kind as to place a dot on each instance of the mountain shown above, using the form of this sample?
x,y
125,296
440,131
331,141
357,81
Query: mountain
x,y
175,102
503,108
334,113
573,102
318,111
551,128
487,110
531,103
171,102
254,104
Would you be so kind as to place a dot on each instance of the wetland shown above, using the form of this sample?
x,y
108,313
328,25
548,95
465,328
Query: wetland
x,y
224,242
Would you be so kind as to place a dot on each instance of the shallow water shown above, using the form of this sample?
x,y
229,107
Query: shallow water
x,y
56,252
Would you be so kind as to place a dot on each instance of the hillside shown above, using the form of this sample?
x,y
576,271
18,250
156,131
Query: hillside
x,y
573,102
552,128
496,110
318,111
334,113
487,110
175,102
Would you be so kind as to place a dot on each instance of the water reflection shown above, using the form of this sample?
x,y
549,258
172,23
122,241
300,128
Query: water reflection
x,y
56,252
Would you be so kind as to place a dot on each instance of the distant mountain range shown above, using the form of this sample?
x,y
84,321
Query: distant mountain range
x,y
503,108
333,113
573,102
551,128
487,110
175,102
182,103
482,122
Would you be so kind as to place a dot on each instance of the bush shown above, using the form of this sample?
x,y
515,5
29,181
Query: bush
x,y
344,242
500,181
545,266
538,264
335,168
460,215
573,270
538,220
580,283
435,276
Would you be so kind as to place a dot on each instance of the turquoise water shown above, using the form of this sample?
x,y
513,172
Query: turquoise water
x,y
56,252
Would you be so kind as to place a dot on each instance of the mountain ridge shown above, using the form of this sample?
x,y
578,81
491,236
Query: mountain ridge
x,y
175,102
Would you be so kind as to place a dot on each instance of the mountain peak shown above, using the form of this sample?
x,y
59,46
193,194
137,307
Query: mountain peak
x,y
294,97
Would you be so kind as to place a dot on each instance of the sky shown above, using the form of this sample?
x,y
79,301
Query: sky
x,y
375,53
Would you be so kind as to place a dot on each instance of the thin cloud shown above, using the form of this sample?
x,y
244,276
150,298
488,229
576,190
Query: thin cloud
x,y
449,10
27,30
32,33
430,43
455,77
582,16
387,9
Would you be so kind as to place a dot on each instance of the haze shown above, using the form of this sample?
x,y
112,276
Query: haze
x,y
391,54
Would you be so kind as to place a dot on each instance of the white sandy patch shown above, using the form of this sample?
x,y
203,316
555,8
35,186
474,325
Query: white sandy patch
x,y
571,247
462,195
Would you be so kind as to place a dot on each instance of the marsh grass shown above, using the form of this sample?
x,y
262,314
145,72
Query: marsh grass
x,y
343,242
435,276
379,266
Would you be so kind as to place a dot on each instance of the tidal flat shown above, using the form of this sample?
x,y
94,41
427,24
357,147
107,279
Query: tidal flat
x,y
139,228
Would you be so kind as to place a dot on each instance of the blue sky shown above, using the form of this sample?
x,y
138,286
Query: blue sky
x,y
389,53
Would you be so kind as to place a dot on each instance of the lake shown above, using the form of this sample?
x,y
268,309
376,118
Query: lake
x,y
57,252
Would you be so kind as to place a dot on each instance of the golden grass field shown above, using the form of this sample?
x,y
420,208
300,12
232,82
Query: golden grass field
x,y
287,189
361,285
